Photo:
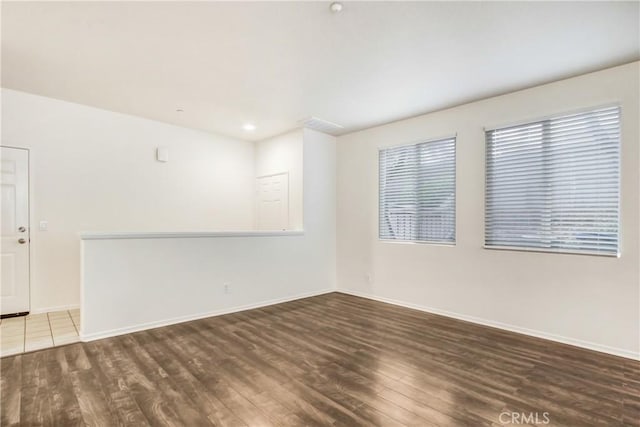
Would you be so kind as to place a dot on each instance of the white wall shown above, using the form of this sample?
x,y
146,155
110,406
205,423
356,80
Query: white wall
x,y
283,153
586,300
94,170
131,284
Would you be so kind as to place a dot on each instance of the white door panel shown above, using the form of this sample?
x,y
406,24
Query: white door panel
x,y
273,202
14,258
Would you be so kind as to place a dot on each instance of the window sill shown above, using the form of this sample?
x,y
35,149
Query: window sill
x,y
550,251
417,242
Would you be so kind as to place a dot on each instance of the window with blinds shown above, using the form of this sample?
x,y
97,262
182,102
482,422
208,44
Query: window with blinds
x,y
553,185
417,192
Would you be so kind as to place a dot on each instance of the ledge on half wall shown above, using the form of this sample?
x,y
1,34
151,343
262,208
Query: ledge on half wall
x,y
98,235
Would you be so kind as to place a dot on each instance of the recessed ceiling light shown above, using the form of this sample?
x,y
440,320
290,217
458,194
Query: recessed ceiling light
x,y
249,127
336,7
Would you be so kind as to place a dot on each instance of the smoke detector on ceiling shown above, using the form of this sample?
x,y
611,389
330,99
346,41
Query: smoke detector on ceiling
x,y
321,125
336,7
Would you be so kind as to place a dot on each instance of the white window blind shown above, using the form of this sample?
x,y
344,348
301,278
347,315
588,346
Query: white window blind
x,y
553,185
417,192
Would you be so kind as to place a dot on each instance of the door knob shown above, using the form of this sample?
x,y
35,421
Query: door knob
x,y
22,241
22,229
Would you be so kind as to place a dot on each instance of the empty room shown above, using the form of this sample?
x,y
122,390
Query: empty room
x,y
309,213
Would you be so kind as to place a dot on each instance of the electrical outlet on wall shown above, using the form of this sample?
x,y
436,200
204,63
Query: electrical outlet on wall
x,y
227,287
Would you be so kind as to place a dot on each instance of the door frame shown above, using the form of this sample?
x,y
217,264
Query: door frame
x,y
255,198
29,215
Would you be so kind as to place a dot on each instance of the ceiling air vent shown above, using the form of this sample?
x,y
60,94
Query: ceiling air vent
x,y
321,125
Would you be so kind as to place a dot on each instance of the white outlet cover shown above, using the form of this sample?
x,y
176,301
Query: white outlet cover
x,y
44,225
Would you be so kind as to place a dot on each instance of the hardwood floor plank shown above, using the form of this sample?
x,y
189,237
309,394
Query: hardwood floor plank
x,y
283,369
91,399
202,362
76,358
331,360
474,359
342,357
10,390
188,384
65,408
34,403
538,349
287,359
153,389
118,394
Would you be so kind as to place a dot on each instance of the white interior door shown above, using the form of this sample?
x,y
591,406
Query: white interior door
x,y
14,288
273,202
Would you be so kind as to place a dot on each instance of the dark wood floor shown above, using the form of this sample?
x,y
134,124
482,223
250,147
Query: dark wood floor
x,y
328,360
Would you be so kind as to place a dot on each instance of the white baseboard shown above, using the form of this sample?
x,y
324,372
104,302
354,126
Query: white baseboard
x,y
499,325
157,324
54,308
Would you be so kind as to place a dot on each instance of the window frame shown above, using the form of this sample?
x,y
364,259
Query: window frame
x,y
542,120
453,243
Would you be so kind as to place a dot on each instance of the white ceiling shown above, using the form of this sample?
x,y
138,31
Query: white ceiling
x,y
275,63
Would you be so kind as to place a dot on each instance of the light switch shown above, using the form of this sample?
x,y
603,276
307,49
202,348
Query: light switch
x,y
44,225
162,154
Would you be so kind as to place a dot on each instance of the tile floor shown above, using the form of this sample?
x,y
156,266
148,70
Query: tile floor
x,y
38,331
